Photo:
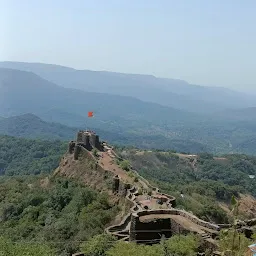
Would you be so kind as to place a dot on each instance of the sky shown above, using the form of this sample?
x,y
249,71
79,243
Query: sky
x,y
205,42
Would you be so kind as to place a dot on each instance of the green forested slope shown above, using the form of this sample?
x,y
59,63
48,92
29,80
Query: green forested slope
x,y
31,126
56,212
61,216
23,156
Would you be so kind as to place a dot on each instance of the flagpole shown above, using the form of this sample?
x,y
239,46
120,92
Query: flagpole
x,y
90,114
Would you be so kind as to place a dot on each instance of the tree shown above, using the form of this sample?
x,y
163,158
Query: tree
x,y
23,249
231,242
182,245
132,249
98,245
63,213
125,165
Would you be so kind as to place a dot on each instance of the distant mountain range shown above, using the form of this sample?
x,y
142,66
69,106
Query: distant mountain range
x,y
122,119
24,92
168,92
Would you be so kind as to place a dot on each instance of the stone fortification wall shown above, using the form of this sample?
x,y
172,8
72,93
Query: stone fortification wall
x,y
121,226
71,146
178,229
123,188
172,199
251,222
168,227
121,231
77,150
131,222
79,137
148,232
88,140
116,183
185,214
93,140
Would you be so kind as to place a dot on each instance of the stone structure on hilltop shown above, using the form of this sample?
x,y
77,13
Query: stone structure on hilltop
x,y
89,140
152,211
116,183
85,139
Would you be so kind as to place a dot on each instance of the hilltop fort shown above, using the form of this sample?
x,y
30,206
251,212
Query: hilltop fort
x,y
95,163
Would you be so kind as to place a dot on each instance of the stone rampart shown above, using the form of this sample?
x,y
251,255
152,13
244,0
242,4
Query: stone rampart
x,y
116,182
71,146
182,213
128,226
251,222
89,140
121,226
79,137
77,150
119,229
172,199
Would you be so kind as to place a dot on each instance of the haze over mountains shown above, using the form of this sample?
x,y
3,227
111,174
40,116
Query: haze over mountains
x,y
169,92
23,92
141,110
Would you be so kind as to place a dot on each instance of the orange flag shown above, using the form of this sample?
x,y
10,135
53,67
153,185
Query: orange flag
x,y
90,114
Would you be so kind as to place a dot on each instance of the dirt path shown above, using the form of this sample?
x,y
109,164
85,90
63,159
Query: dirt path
x,y
107,163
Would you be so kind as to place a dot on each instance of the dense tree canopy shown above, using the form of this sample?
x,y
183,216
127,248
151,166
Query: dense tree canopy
x,y
23,156
59,212
55,216
9,248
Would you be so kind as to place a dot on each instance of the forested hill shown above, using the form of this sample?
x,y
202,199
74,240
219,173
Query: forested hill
x,y
31,126
20,156
204,178
59,216
46,217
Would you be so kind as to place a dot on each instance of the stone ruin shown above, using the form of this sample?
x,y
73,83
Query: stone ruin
x,y
86,139
166,222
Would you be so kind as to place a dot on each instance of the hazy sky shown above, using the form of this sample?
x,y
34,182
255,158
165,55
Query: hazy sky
x,y
208,42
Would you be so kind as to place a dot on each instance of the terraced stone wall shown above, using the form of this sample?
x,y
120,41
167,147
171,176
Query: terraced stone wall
x,y
175,227
149,232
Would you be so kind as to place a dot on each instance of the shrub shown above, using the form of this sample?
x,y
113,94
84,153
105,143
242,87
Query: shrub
x,y
125,165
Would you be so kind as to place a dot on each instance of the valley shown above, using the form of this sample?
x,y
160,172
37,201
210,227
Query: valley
x,y
135,120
